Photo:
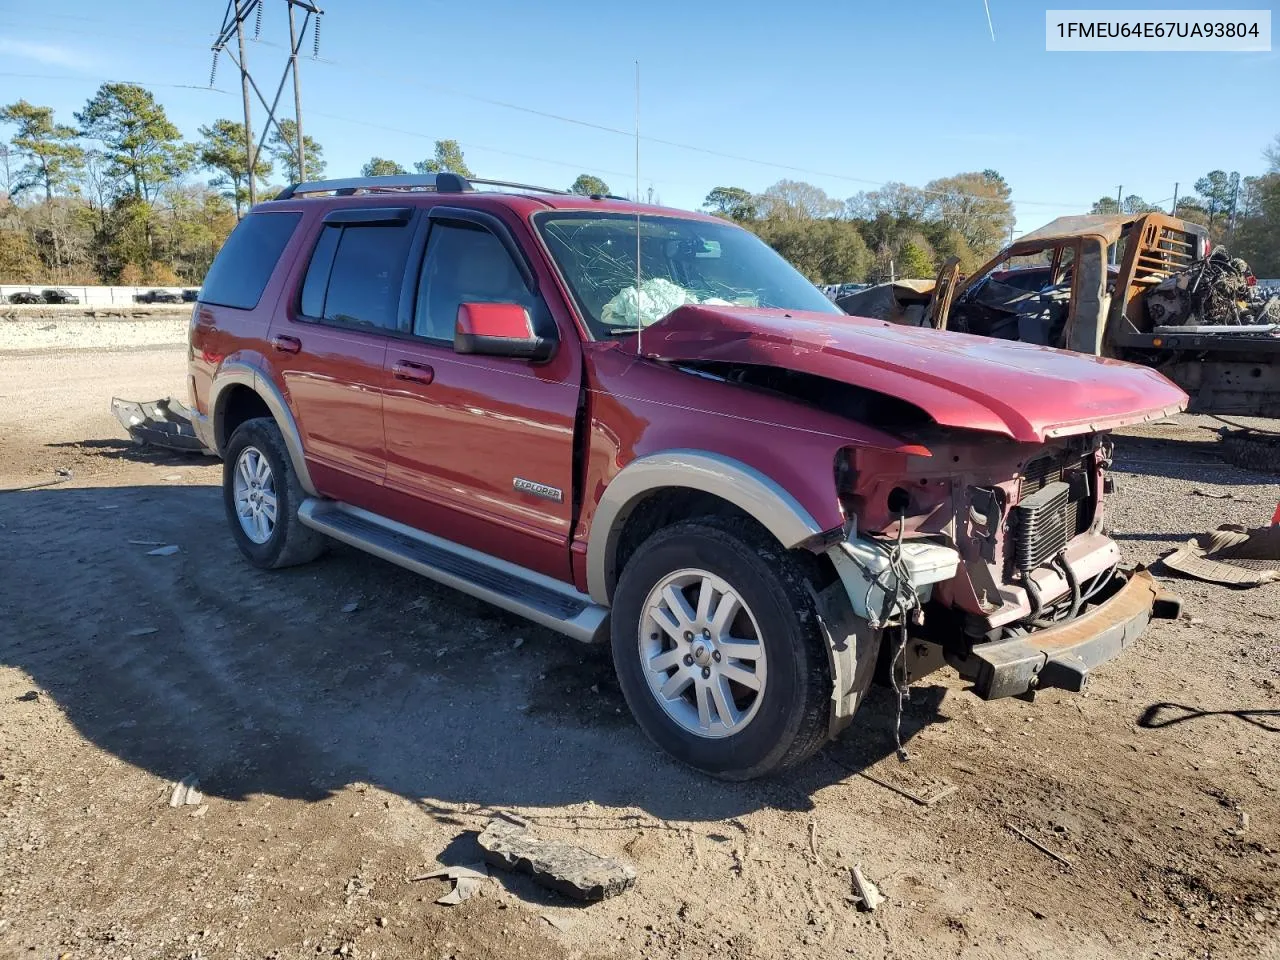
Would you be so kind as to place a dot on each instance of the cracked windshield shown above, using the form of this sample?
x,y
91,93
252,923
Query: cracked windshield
x,y
682,262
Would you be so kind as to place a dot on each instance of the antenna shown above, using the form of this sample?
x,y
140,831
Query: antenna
x,y
639,319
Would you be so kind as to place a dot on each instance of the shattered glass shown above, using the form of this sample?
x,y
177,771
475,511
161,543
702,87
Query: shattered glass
x,y
682,261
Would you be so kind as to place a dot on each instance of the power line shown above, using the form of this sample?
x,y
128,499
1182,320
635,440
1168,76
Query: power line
x,y
629,134
1059,204
675,144
472,145
99,79
417,134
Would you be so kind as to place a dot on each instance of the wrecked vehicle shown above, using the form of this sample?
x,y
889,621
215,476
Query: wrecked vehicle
x,y
695,458
1167,302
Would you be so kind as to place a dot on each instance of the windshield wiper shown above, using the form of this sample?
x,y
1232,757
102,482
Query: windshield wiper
x,y
622,331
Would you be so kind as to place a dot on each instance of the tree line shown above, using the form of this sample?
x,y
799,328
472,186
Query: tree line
x,y
110,197
1241,212
114,197
904,231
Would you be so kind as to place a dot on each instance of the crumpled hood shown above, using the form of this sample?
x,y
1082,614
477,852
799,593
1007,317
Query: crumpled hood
x,y
1024,391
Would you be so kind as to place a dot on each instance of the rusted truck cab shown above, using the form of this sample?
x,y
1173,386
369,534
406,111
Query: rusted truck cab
x,y
1085,283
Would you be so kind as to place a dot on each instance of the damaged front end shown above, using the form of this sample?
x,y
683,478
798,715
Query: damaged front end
x,y
990,556
979,532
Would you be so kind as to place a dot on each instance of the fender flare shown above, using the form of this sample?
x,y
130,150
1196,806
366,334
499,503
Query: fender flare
x,y
742,485
240,373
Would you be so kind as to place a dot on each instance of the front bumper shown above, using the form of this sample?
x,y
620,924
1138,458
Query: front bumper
x,y
1062,656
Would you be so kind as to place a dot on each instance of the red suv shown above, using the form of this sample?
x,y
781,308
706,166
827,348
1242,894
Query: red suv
x,y
641,426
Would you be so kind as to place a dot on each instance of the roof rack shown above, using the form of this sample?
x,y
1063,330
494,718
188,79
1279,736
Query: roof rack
x,y
437,182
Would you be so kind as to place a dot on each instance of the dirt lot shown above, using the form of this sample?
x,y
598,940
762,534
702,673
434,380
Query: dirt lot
x,y
342,754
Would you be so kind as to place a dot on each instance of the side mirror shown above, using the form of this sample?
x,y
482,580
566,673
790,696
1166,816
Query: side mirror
x,y
499,330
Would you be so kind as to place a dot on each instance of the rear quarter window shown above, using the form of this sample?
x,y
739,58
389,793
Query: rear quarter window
x,y
244,265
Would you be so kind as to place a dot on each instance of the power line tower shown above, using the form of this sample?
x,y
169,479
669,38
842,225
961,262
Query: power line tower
x,y
233,25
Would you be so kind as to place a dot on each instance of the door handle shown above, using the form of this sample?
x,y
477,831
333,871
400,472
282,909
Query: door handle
x,y
412,372
286,344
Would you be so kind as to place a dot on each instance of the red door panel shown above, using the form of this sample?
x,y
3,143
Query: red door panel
x,y
463,430
333,379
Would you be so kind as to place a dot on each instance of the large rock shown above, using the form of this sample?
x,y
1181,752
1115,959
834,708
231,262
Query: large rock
x,y
563,867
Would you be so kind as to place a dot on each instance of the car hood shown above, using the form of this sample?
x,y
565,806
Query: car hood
x,y
1024,391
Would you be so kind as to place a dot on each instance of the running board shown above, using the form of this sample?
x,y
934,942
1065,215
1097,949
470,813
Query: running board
x,y
532,595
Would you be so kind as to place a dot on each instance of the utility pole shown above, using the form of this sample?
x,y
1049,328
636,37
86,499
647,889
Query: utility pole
x,y
250,151
1235,197
297,96
1174,211
233,20
1115,247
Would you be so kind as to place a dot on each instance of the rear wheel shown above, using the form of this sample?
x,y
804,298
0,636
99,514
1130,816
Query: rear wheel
x,y
718,649
261,493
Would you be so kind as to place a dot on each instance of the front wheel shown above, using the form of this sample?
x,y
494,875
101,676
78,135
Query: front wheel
x,y
718,649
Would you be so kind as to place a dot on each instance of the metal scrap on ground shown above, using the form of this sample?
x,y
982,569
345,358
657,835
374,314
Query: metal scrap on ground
x,y
1053,855
466,882
869,896
942,794
563,867
158,423
1230,555
185,793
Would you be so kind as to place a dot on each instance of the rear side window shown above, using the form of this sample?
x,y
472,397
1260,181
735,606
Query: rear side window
x,y
244,265
355,274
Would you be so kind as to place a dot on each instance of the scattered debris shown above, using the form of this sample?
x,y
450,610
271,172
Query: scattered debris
x,y
351,607
31,696
1243,827
869,896
1040,846
563,924
1213,291
1214,494
942,794
159,423
64,472
813,842
168,551
142,631
185,793
563,867
146,543
1230,555
170,477
466,882
200,811
519,642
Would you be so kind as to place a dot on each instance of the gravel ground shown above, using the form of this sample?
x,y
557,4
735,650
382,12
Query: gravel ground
x,y
341,754
162,327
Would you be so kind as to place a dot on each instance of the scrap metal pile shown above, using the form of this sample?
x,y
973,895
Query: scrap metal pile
x,y
1214,291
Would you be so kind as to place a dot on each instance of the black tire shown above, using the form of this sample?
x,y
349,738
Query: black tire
x,y
290,542
792,719
1252,450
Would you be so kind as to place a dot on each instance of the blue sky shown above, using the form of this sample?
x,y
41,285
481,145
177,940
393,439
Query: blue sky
x,y
844,92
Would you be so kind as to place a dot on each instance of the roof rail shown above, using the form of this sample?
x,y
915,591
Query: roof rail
x,y
438,182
